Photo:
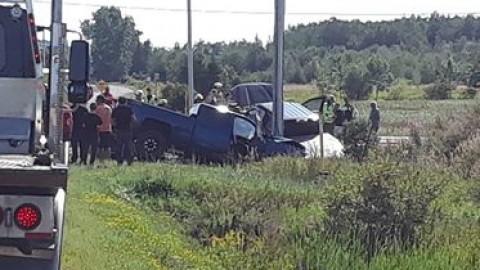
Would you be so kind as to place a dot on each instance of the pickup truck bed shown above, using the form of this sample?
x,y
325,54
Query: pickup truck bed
x,y
20,171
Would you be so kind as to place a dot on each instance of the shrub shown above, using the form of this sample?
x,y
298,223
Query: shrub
x,y
447,135
439,91
387,208
357,139
468,93
175,94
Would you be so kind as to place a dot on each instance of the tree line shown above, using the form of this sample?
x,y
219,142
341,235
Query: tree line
x,y
355,56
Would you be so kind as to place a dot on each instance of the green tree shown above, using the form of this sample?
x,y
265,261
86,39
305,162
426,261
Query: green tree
x,y
114,42
142,54
378,73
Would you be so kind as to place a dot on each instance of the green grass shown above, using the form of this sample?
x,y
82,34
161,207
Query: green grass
x,y
105,232
259,216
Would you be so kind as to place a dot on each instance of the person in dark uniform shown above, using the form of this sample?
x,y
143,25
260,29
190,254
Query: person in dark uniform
x,y
92,138
80,114
339,119
349,110
123,118
374,119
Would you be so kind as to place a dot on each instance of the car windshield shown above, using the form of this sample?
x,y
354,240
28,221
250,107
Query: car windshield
x,y
243,128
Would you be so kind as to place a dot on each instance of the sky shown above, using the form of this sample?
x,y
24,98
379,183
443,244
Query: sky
x,y
164,22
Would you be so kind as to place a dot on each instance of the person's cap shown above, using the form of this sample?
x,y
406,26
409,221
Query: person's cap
x,y
199,96
218,84
140,92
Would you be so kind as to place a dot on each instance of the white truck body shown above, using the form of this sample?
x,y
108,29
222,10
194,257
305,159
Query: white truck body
x,y
33,178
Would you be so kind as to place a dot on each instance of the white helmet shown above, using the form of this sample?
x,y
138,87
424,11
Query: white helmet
x,y
218,85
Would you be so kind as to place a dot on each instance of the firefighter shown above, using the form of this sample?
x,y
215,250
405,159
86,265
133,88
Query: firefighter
x,y
216,96
328,115
349,109
150,98
198,99
140,96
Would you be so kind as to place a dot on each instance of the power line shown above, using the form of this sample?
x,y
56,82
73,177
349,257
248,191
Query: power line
x,y
244,12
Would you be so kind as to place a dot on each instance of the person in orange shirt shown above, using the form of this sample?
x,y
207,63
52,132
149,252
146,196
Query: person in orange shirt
x,y
104,111
109,98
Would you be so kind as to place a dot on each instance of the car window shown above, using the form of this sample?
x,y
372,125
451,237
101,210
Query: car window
x,y
313,105
243,128
3,49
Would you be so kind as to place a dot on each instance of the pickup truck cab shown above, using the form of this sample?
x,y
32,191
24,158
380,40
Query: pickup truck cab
x,y
213,134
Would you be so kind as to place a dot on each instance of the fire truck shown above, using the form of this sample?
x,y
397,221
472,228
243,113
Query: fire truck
x,y
33,162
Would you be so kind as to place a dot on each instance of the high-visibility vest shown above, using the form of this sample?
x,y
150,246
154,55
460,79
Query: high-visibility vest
x,y
327,114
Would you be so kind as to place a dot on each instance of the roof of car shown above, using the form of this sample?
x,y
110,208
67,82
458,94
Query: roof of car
x,y
293,111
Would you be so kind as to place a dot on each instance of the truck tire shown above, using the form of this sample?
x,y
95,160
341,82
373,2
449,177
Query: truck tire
x,y
151,146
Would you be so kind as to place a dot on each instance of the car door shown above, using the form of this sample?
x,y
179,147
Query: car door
x,y
314,104
213,131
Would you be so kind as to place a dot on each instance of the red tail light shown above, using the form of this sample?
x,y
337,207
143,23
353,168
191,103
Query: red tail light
x,y
27,217
33,32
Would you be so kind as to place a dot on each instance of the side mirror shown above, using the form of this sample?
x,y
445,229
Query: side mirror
x,y
79,74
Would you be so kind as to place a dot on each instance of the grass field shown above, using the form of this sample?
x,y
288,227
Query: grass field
x,y
272,215
398,116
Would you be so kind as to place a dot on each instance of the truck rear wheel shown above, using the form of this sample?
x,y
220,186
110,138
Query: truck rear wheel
x,y
151,146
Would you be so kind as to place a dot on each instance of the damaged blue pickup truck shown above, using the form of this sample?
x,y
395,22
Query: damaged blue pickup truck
x,y
212,134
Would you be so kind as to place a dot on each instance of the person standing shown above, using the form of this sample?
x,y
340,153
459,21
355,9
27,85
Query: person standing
x,y
328,114
349,110
67,122
91,139
150,98
105,130
122,119
110,99
139,95
80,114
374,118
198,99
338,121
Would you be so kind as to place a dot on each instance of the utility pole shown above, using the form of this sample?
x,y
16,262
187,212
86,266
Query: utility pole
x,y
278,76
56,92
191,87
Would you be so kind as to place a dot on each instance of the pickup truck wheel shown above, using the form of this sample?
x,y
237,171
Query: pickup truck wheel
x,y
151,146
